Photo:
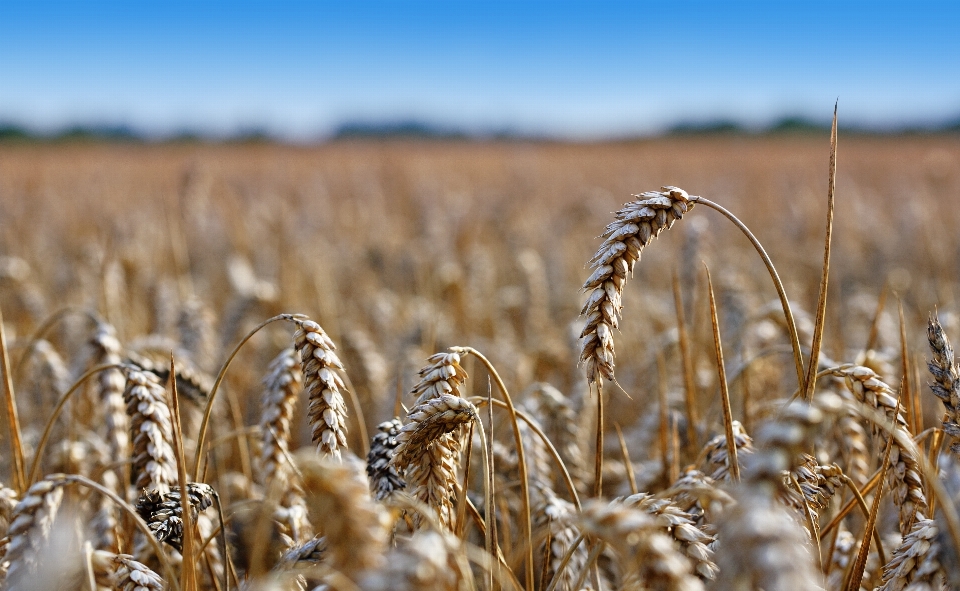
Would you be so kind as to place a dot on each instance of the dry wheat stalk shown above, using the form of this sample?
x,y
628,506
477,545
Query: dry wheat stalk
x,y
154,464
636,224
323,385
554,523
693,542
648,557
120,572
946,384
339,502
31,524
384,478
281,390
905,483
163,512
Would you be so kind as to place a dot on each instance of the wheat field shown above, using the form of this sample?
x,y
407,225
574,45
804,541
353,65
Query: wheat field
x,y
475,365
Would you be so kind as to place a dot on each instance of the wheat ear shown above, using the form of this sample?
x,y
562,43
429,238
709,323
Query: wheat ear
x,y
946,384
339,503
324,386
636,224
281,387
163,511
383,476
30,527
648,558
905,483
111,384
121,572
154,463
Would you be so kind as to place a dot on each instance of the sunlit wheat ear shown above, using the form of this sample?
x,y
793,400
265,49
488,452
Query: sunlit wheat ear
x,y
904,474
110,385
636,224
383,476
154,464
281,388
678,524
443,375
946,384
324,386
648,558
428,422
31,524
122,573
554,523
340,506
818,483
428,450
163,512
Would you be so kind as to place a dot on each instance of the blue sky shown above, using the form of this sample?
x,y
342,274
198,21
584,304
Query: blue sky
x,y
578,69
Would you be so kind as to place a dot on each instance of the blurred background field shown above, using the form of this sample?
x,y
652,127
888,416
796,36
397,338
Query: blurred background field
x,y
413,246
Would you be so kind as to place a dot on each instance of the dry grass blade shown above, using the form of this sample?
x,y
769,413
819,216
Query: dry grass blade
x,y
13,419
188,572
732,462
811,383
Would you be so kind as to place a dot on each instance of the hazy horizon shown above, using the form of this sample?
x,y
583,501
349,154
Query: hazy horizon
x,y
562,69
